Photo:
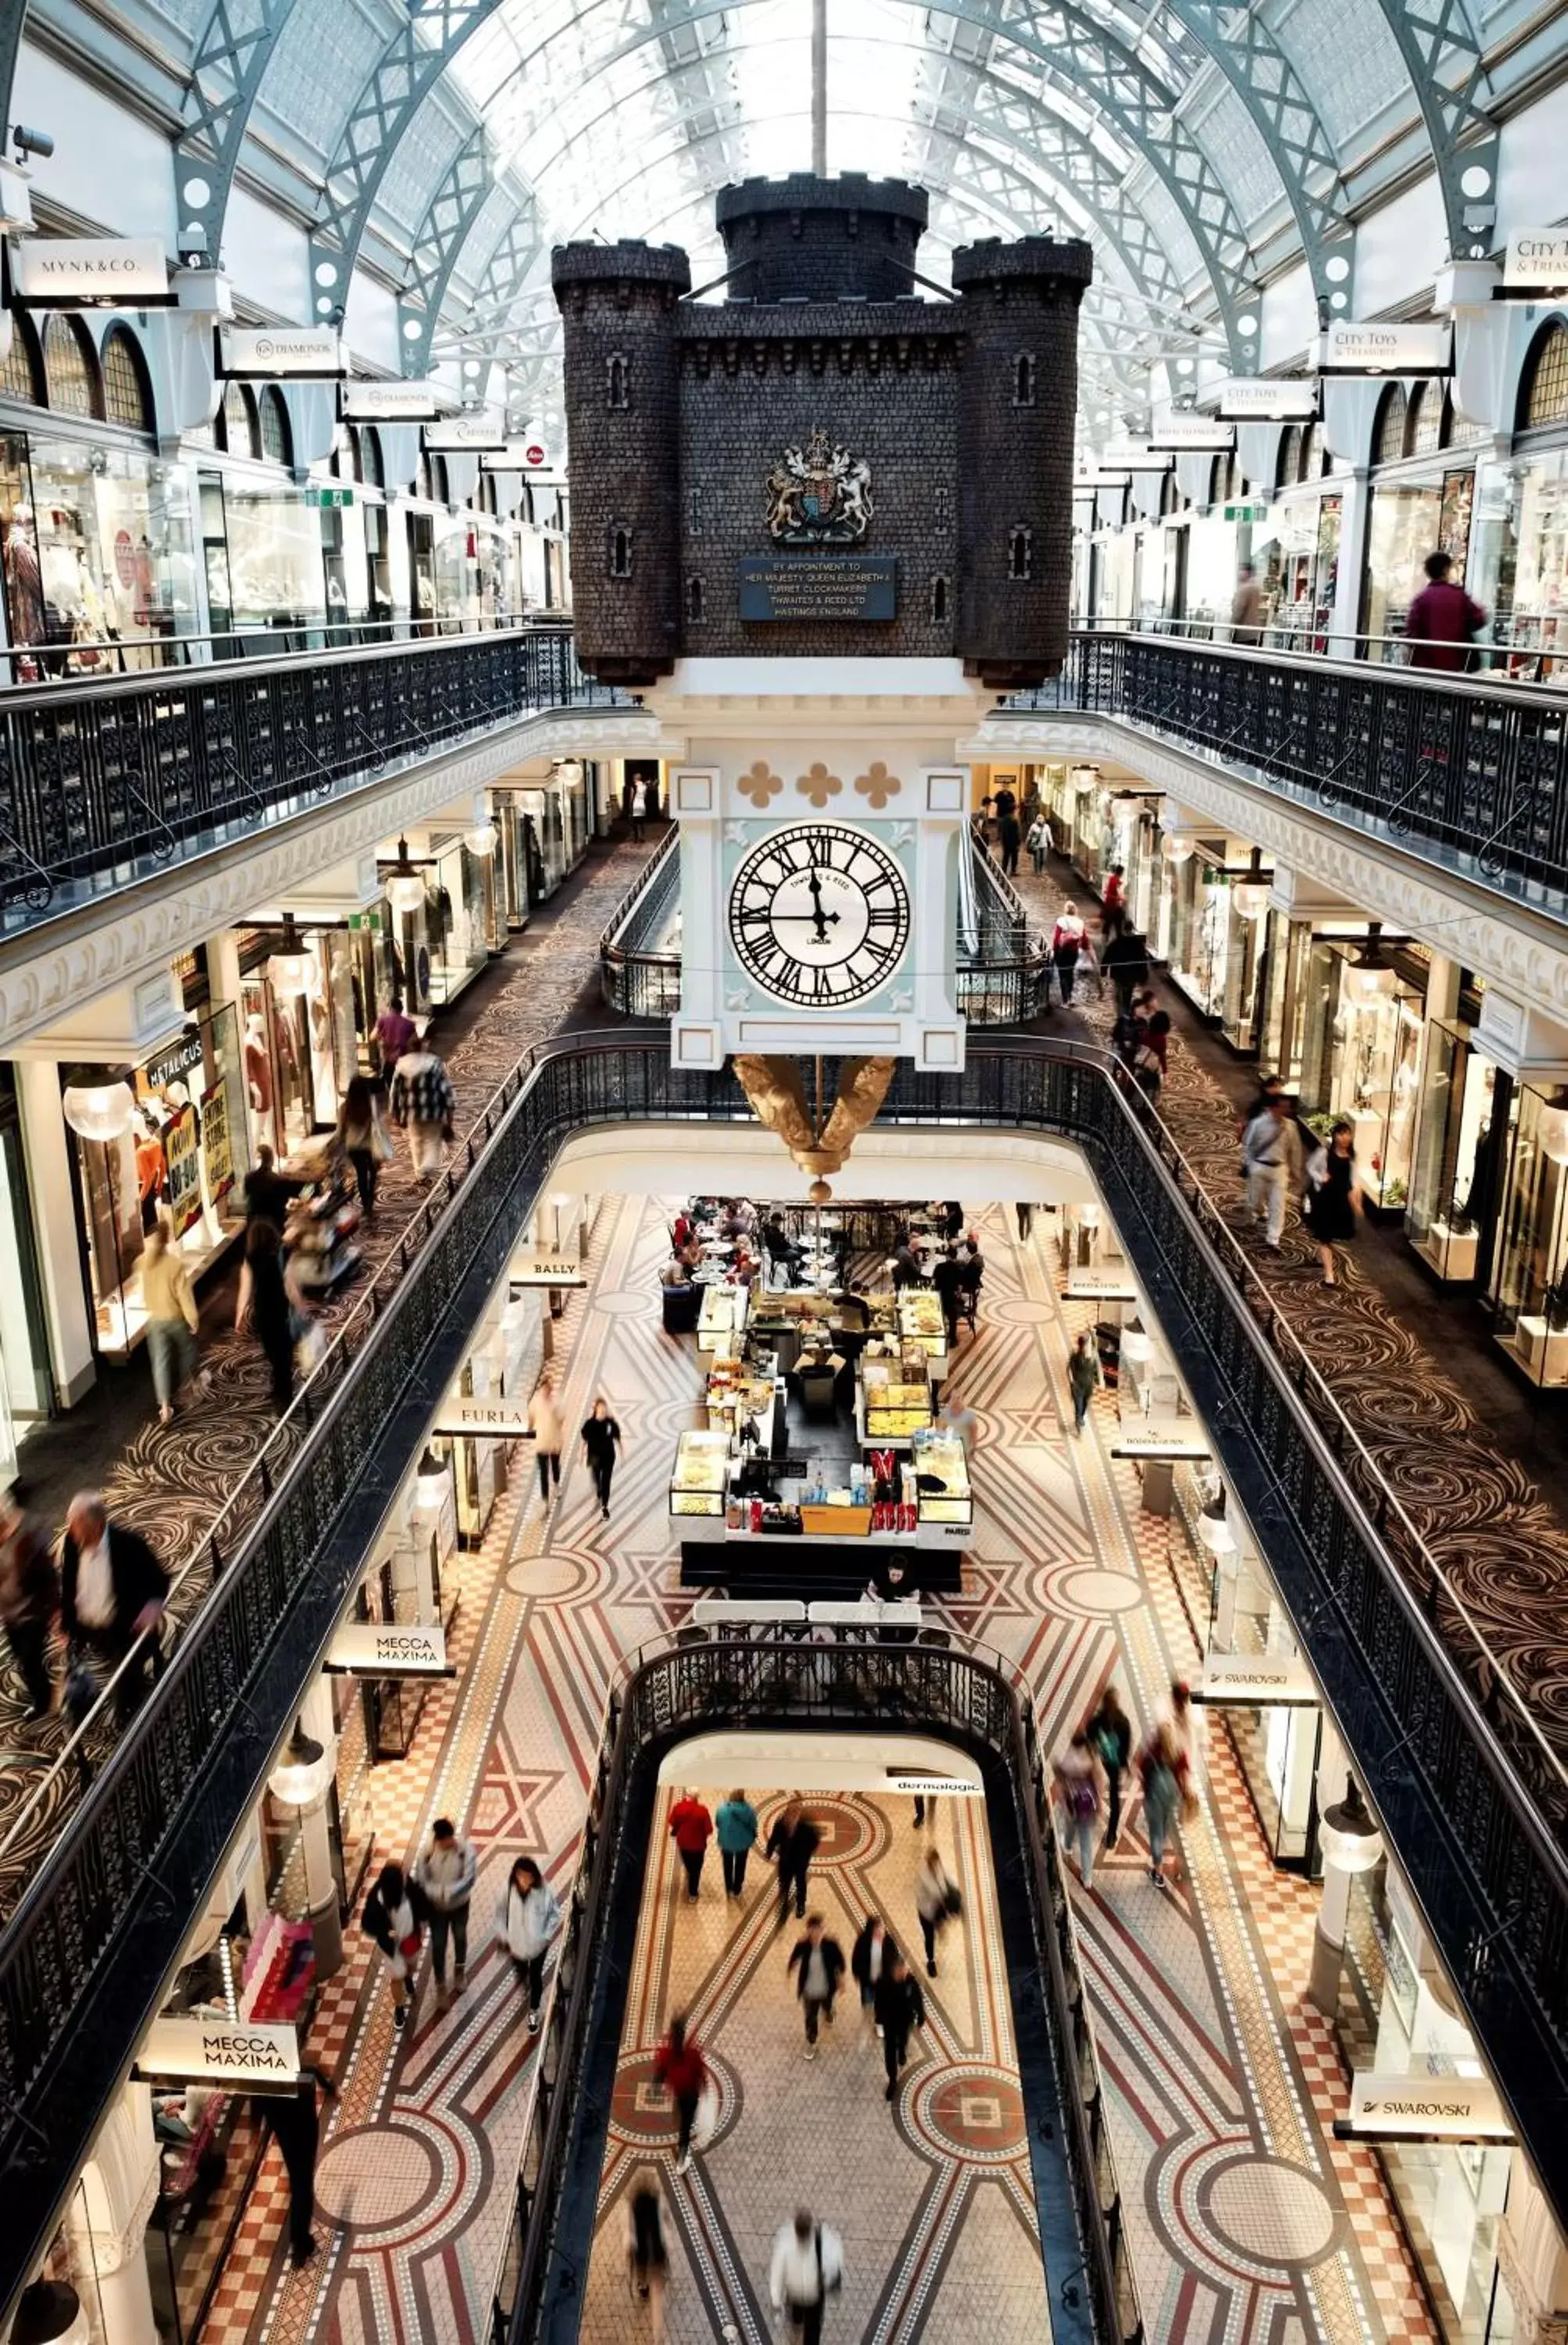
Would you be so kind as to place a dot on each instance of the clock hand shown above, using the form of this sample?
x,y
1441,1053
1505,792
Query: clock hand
x,y
819,920
818,914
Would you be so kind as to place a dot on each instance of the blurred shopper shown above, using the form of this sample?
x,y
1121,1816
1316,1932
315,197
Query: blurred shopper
x,y
29,1600
447,1873
1009,839
1249,607
870,1956
1157,1773
648,2258
272,1305
1113,902
394,1034
172,1319
267,1193
1125,961
791,1844
681,2068
899,2005
937,1901
1078,1801
546,1425
807,2268
1443,623
1110,1729
422,1104
691,1829
1333,1196
601,1439
1271,1157
1037,839
816,1965
640,811
112,1591
736,1826
394,1916
1082,1376
949,1278
530,1923
1066,944
293,2120
364,1138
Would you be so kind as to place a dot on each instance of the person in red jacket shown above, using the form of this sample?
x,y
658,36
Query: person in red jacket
x,y
692,1827
679,2066
1442,620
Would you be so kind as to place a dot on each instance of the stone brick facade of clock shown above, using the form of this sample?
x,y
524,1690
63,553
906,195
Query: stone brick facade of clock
x,y
678,411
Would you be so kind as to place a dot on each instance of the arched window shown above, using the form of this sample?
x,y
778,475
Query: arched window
x,y
1389,432
23,373
620,549
71,368
1171,498
440,487
938,599
127,393
617,380
694,598
1023,373
277,439
238,417
1225,480
1020,552
347,462
1543,386
1424,432
1314,454
374,474
1288,468
422,481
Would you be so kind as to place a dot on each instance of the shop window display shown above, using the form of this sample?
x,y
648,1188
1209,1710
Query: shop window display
x,y
1360,1059
116,555
240,431
302,1042
275,569
1531,1274
167,1139
1451,1182
460,917
21,372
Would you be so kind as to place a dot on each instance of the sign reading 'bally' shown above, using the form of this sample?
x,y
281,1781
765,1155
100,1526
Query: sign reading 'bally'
x,y
221,2051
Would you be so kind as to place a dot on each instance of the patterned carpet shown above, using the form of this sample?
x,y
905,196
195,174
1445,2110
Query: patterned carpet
x,y
173,1482
1248,2221
1503,1547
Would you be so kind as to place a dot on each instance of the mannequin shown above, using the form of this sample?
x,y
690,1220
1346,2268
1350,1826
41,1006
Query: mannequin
x,y
258,1064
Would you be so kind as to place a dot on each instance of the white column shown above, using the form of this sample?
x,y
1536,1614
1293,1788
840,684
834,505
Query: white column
x,y
315,1832
51,1180
1533,2260
694,1037
107,2224
1356,504
1345,1854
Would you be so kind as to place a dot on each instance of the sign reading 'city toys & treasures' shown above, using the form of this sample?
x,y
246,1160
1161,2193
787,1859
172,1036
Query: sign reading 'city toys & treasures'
x,y
817,497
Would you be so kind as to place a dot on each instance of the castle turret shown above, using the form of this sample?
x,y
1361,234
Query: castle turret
x,y
802,238
618,305
1017,393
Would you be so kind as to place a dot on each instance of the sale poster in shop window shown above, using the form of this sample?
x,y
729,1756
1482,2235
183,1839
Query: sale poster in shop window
x,y
184,1171
217,1143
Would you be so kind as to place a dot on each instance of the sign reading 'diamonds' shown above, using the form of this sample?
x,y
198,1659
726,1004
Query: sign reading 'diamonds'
x,y
1535,262
221,2051
466,434
389,1648
281,354
394,402
1247,1677
1183,431
1260,399
127,273
504,1418
540,1267
819,586
1381,348
1455,2109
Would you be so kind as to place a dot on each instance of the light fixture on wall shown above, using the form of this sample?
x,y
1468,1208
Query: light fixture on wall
x,y
431,1482
1347,1832
404,884
569,773
288,968
1368,979
482,839
1084,778
1551,1128
300,1776
1250,896
100,1111
1176,849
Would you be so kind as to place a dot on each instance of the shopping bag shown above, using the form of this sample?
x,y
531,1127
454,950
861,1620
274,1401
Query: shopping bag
x,y
705,2124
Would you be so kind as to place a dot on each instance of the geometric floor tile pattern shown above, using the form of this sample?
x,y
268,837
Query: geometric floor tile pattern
x,y
931,2196
1247,2223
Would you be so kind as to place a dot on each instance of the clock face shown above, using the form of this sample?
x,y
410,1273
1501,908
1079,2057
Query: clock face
x,y
818,915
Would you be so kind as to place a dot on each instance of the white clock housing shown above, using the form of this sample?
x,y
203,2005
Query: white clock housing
x,y
818,915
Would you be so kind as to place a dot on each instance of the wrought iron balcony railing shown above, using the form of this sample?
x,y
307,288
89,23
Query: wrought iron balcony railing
x,y
769,1678
639,952
1470,772
1473,1797
103,783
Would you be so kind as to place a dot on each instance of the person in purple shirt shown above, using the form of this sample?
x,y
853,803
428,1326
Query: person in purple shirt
x,y
1442,620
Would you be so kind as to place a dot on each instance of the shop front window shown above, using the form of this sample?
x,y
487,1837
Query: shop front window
x,y
1361,1063
275,571
457,916
116,556
1449,1177
1531,1289
302,1041
1539,630
1201,935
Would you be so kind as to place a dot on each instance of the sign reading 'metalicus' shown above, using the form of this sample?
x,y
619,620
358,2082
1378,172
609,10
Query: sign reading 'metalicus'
x,y
281,354
123,272
1260,399
1379,347
221,2051
394,402
1536,261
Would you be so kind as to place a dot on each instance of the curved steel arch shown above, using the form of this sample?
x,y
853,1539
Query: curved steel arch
x,y
228,65
464,190
1433,37
1113,81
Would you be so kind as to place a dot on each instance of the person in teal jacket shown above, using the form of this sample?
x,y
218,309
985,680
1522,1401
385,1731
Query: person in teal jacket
x,y
736,1825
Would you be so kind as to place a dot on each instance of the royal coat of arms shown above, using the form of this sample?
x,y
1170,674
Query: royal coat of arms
x,y
818,495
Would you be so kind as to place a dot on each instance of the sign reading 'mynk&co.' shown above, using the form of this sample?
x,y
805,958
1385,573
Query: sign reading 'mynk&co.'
x,y
65,272
819,586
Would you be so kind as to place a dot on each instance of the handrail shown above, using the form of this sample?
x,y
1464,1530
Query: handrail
x,y
1439,1747
118,657
765,1675
635,975
1491,655
118,778
1471,772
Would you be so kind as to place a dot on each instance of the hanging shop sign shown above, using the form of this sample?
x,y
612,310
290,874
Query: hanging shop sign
x,y
1136,456
1247,513
1254,1680
1169,1441
541,1267
222,2051
1185,433
1097,479
172,1065
928,1787
182,1162
502,1416
466,434
1260,399
389,1648
1534,263
394,402
217,1143
1424,2108
1379,348
1101,1286
90,272
281,354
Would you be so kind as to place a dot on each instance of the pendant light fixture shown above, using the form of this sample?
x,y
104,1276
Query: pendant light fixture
x,y
405,883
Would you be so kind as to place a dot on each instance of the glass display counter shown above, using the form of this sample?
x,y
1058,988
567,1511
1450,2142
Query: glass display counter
x,y
722,1322
701,1475
893,1402
920,1321
1448,1172
943,1495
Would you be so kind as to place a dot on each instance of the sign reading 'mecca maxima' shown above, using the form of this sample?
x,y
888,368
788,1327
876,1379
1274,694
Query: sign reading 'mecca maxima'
x,y
221,2051
1377,347
124,272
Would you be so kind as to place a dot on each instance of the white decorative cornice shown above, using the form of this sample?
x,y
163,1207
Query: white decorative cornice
x,y
1511,945
95,946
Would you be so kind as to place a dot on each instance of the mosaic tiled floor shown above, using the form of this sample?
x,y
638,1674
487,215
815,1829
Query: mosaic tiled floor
x,y
172,1482
1248,2224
